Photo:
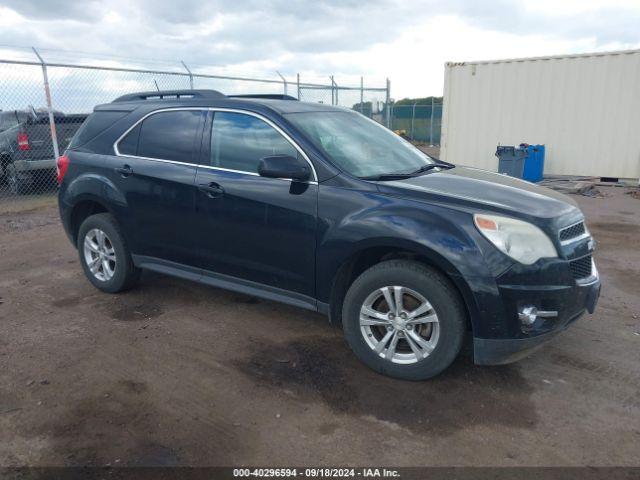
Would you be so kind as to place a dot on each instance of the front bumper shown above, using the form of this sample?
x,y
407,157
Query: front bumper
x,y
571,302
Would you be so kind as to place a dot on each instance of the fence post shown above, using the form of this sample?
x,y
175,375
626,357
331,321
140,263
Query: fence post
x,y
189,72
387,102
298,81
334,91
431,123
392,116
284,82
333,95
47,94
361,94
413,116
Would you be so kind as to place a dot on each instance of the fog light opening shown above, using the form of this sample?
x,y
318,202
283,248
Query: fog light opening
x,y
529,314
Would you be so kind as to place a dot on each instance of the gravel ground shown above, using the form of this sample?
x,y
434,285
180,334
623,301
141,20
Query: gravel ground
x,y
175,373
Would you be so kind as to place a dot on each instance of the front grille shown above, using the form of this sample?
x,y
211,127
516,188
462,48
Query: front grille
x,y
572,232
581,268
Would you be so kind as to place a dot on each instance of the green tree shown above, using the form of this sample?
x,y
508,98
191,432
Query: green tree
x,y
419,101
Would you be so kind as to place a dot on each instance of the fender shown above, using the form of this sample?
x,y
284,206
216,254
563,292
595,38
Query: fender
x,y
88,187
95,187
436,233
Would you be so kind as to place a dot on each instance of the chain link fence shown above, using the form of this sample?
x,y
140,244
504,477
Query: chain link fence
x,y
42,105
369,101
418,123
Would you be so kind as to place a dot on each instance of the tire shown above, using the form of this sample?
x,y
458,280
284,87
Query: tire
x,y
17,186
119,273
427,344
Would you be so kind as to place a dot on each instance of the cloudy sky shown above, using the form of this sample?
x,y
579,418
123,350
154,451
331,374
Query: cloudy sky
x,y
407,41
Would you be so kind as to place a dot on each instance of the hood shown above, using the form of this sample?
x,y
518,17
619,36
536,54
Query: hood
x,y
480,189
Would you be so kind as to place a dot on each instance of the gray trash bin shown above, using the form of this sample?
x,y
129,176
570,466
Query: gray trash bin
x,y
511,160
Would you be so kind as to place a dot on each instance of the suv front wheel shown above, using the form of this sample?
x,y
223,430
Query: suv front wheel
x,y
404,319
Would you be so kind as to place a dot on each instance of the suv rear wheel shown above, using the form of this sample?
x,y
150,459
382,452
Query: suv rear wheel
x,y
404,319
104,254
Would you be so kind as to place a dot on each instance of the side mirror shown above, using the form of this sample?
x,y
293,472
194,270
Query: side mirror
x,y
284,166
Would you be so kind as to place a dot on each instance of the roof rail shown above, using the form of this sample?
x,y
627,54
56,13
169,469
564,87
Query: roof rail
x,y
270,96
168,94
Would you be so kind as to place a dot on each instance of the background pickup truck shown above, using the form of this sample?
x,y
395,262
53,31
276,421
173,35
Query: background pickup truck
x,y
27,161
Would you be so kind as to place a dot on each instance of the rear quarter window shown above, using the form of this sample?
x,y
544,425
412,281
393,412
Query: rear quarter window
x,y
95,124
168,135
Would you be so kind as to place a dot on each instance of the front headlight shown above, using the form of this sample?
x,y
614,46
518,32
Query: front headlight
x,y
522,241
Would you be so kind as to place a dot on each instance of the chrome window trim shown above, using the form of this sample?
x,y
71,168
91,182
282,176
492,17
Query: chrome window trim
x,y
174,162
314,181
243,172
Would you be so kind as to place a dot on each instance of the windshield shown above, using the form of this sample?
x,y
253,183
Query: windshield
x,y
358,145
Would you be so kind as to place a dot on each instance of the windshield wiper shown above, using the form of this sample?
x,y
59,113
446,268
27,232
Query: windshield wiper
x,y
388,176
401,175
431,166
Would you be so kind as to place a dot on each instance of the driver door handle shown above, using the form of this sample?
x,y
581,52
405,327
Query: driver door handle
x,y
211,190
124,170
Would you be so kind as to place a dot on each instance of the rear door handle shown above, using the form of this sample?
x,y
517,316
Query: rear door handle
x,y
211,190
124,170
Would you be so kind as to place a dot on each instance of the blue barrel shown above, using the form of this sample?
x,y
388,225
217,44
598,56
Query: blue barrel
x,y
534,163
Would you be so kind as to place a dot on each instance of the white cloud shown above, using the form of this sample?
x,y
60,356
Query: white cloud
x,y
112,17
573,7
423,51
408,42
9,18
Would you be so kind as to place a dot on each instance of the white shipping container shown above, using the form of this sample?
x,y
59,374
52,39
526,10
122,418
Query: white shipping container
x,y
584,108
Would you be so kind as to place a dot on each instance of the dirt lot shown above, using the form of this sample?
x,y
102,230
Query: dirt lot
x,y
174,373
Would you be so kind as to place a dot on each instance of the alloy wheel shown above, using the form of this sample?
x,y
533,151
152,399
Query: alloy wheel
x,y
399,324
99,254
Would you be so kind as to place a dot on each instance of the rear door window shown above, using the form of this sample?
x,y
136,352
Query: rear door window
x,y
171,135
129,144
239,141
